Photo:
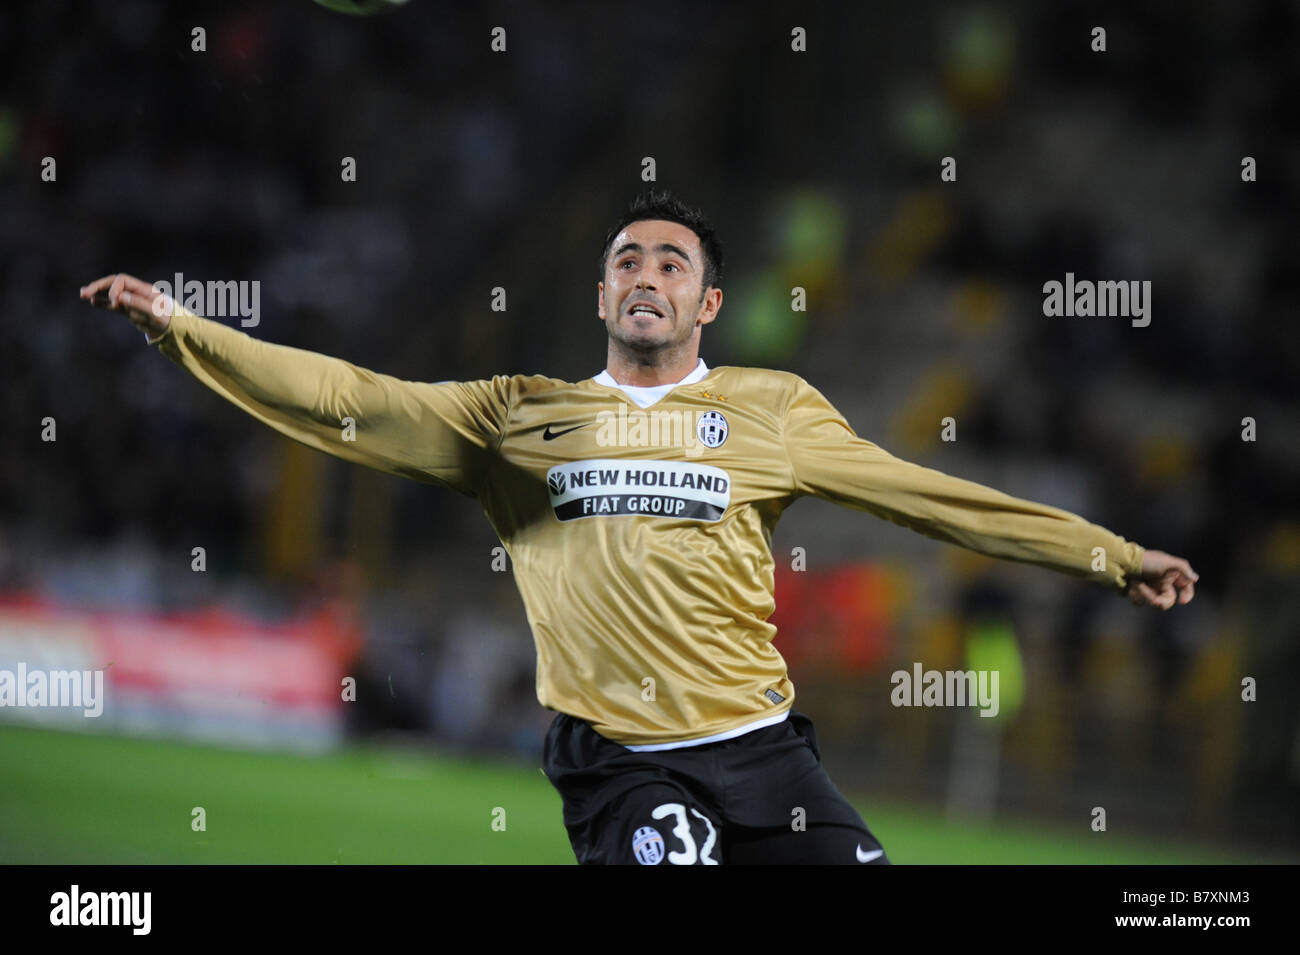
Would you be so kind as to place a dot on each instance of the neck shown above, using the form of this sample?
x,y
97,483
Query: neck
x,y
646,370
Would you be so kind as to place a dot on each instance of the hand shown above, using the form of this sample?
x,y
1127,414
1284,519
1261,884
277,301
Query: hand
x,y
148,309
1165,580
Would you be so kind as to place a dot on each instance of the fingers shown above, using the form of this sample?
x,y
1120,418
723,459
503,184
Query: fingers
x,y
115,290
1173,579
108,291
1173,588
1178,586
147,308
99,285
1184,568
1142,595
96,293
1158,562
109,287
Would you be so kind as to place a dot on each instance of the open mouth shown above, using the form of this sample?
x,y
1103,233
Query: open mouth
x,y
642,308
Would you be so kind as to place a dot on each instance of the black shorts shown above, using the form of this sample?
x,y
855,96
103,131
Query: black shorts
x,y
760,798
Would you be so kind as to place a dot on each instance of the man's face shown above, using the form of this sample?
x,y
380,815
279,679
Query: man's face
x,y
650,299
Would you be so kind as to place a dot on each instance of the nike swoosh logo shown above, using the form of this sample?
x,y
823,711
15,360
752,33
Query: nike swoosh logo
x,y
869,856
549,435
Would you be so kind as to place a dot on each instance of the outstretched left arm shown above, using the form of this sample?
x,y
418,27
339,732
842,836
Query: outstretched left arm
x,y
828,460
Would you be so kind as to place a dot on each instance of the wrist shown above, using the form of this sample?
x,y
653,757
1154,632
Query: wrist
x,y
157,321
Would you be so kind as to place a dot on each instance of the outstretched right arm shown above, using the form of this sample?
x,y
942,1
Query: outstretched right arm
x,y
444,433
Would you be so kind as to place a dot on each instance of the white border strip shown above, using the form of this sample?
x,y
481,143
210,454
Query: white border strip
x,y
715,738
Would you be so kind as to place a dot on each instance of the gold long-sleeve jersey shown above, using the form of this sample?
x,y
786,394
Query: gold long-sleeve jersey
x,y
640,538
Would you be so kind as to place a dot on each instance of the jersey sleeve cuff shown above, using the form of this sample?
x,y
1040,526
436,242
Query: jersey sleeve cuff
x,y
1132,567
179,314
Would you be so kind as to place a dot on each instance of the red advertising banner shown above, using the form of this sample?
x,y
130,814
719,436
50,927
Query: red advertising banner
x,y
212,675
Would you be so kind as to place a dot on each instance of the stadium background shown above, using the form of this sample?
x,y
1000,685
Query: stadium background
x,y
478,169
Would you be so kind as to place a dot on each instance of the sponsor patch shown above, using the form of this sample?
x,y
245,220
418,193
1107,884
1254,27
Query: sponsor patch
x,y
609,488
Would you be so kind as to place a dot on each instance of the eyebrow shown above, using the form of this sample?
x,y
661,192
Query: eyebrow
x,y
661,247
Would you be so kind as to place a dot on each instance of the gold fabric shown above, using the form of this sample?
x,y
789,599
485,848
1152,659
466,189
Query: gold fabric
x,y
642,553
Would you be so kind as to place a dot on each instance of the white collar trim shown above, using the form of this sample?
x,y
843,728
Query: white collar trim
x,y
648,395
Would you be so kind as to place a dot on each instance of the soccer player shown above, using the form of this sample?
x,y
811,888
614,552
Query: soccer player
x,y
638,507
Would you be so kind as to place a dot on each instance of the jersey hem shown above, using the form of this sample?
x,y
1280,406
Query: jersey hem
x,y
715,738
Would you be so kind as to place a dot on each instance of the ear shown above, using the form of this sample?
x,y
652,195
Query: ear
x,y
600,300
710,307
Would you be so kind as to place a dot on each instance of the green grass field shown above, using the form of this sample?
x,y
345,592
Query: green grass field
x,y
87,799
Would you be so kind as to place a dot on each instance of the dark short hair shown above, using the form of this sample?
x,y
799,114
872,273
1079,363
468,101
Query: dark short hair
x,y
662,204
